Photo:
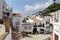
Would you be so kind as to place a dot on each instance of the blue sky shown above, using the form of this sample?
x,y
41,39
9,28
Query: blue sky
x,y
28,7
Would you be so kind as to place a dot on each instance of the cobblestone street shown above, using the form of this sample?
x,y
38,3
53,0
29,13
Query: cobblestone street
x,y
35,37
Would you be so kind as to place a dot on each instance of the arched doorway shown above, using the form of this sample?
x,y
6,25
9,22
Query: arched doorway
x,y
34,30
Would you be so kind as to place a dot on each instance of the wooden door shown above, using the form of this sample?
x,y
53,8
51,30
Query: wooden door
x,y
56,37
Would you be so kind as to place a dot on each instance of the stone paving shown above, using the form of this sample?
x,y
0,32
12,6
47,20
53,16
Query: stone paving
x,y
35,37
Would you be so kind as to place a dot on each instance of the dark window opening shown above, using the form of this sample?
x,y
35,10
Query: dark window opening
x,y
1,21
4,12
35,25
8,14
43,25
24,21
47,22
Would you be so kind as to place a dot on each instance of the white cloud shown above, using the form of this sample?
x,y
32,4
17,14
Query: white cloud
x,y
37,6
28,7
16,11
32,7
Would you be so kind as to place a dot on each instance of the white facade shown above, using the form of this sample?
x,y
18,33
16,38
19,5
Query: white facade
x,y
1,8
27,27
56,24
46,23
38,20
17,21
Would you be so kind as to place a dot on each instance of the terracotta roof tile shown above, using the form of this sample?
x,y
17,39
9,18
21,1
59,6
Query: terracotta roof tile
x,y
36,20
16,14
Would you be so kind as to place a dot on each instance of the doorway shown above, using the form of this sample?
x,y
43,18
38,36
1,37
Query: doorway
x,y
56,37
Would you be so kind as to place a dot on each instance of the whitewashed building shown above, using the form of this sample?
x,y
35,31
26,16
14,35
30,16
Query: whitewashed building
x,y
4,8
55,20
56,24
17,21
35,22
1,8
27,27
42,24
46,22
5,21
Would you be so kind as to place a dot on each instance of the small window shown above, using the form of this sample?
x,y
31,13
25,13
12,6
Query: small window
x,y
47,22
8,14
56,17
29,27
24,21
47,27
1,21
25,27
17,23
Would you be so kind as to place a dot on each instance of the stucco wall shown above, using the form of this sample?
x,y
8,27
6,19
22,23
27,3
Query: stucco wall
x,y
28,28
1,8
56,27
20,20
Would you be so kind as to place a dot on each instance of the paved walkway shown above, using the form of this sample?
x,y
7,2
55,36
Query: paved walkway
x,y
35,37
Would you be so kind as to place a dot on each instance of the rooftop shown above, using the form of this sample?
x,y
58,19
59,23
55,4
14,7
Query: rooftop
x,y
17,14
36,20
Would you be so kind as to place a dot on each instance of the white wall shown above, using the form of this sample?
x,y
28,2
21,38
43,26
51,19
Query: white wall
x,y
28,30
9,36
56,25
2,29
1,8
45,25
59,15
20,20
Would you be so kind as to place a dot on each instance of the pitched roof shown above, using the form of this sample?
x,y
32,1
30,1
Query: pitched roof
x,y
17,14
36,20
27,23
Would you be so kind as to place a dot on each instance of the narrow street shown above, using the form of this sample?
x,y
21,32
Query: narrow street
x,y
29,19
35,37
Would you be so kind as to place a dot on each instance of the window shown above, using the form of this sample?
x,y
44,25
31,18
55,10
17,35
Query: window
x,y
1,21
25,27
47,27
43,25
29,27
35,25
56,16
8,14
17,23
47,22
24,20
